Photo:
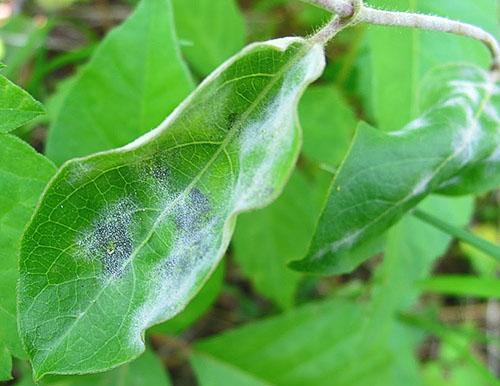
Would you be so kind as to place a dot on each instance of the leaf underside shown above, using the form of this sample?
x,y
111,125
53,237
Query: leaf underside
x,y
452,149
123,239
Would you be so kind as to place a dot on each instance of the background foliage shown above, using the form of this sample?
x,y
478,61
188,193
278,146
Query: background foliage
x,y
423,310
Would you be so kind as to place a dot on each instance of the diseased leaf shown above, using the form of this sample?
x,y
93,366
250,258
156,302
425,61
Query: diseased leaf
x,y
385,175
197,306
123,239
283,232
23,175
212,31
17,107
401,58
134,79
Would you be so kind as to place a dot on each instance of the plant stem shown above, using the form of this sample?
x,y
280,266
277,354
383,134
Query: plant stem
x,y
461,234
364,14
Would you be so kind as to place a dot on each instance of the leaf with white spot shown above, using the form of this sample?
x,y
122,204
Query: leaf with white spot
x,y
452,148
123,239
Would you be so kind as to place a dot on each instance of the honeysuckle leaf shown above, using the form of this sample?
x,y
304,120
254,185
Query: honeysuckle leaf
x,y
23,175
123,239
135,78
17,107
385,175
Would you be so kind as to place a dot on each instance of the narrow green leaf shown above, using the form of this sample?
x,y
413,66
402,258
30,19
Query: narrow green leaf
x,y
211,31
483,245
385,175
463,286
17,107
23,175
134,79
123,239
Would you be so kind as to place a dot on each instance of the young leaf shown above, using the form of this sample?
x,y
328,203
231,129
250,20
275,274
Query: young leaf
x,y
23,175
135,78
17,107
385,175
212,31
123,239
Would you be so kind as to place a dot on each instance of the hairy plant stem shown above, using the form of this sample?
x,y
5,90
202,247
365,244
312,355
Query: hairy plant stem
x,y
356,12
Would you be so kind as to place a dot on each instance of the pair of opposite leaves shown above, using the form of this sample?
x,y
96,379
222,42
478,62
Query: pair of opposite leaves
x,y
123,239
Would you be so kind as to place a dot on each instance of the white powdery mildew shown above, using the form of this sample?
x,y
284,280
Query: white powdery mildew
x,y
269,138
344,243
416,124
422,185
465,142
109,240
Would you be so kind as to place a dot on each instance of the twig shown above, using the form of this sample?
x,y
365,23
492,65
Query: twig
x,y
345,8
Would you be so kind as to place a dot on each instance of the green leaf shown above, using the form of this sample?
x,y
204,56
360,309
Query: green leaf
x,y
400,58
196,307
463,286
385,175
309,345
146,370
211,371
212,31
5,363
23,175
328,123
124,239
134,79
17,107
283,232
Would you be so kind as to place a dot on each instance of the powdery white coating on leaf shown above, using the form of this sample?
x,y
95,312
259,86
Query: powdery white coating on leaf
x,y
109,240
422,185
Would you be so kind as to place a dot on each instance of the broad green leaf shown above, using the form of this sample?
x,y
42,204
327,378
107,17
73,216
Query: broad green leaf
x,y
212,31
211,371
147,370
17,107
328,123
463,286
283,232
197,306
134,79
385,175
400,58
315,344
125,238
23,175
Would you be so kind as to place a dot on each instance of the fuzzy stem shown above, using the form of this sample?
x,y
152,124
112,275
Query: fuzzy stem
x,y
364,14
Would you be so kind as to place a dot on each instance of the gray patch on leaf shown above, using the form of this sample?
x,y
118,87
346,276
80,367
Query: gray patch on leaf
x,y
110,241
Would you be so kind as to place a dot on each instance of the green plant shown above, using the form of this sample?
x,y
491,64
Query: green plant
x,y
131,226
